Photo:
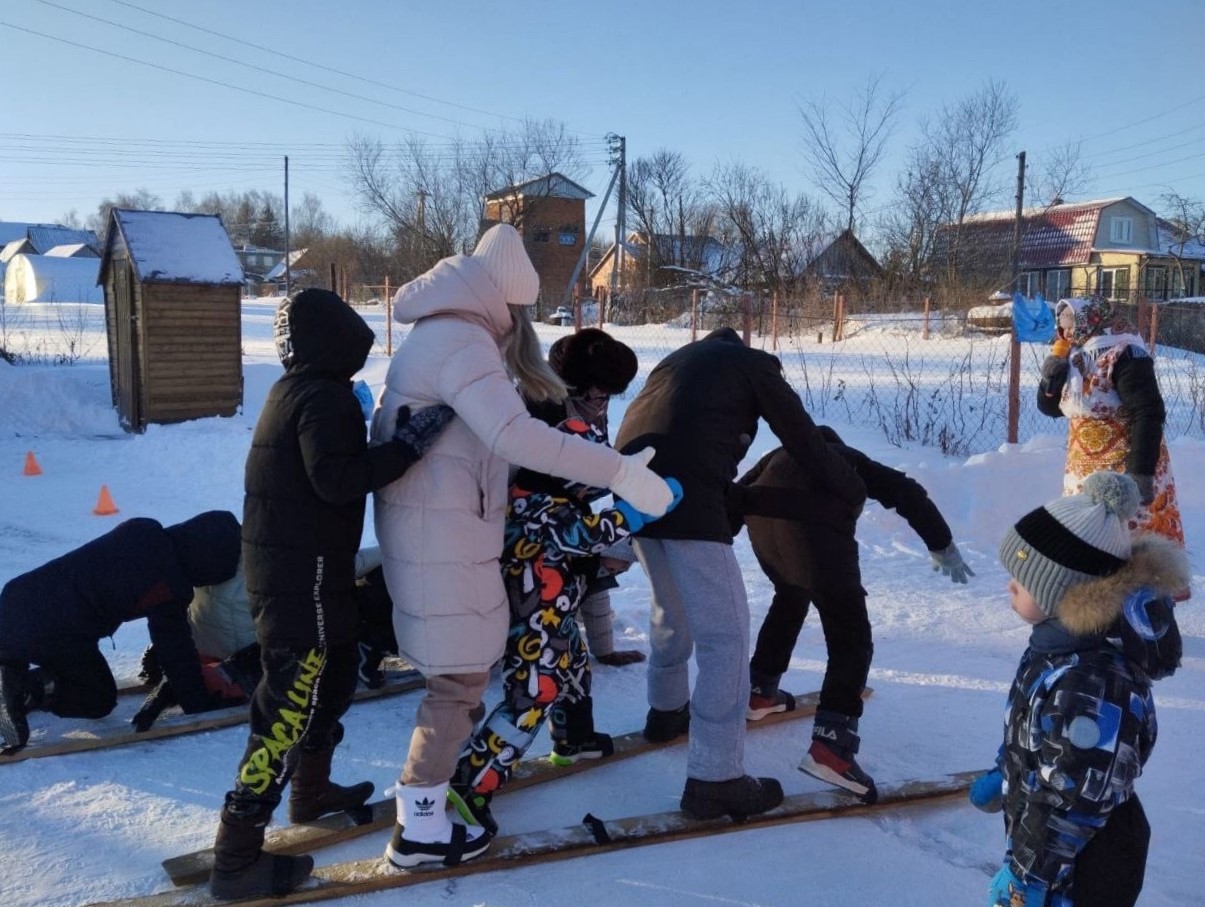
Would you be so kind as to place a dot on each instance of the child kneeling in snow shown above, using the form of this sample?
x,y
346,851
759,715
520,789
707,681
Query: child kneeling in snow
x,y
550,534
1080,722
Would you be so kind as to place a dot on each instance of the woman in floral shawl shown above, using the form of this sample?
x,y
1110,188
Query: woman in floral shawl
x,y
1102,378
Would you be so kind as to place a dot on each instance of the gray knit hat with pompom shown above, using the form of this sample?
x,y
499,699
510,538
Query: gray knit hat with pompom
x,y
1072,540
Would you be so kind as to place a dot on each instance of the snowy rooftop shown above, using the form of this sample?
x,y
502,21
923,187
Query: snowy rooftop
x,y
169,247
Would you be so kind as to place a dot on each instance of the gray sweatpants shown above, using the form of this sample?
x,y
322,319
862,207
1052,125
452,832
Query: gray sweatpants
x,y
699,605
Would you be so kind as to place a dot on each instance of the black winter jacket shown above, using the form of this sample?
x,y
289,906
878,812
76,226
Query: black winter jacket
x,y
700,408
307,476
776,487
139,569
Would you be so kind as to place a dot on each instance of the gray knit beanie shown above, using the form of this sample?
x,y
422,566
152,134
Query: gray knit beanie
x,y
500,250
1072,540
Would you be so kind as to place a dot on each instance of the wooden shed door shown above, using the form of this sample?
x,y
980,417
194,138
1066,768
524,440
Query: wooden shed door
x,y
128,377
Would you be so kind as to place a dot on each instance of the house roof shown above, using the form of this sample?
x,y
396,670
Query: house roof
x,y
72,250
45,238
170,247
1051,237
708,252
844,247
1170,244
278,270
554,185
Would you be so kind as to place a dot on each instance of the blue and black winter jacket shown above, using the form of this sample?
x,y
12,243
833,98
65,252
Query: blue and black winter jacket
x,y
1080,722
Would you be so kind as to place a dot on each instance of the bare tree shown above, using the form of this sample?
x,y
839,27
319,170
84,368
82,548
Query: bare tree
x,y
910,225
775,233
139,200
1184,224
1059,173
845,146
664,201
966,142
433,199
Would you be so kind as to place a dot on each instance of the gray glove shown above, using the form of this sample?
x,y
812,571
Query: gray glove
x,y
1146,487
949,561
162,697
418,431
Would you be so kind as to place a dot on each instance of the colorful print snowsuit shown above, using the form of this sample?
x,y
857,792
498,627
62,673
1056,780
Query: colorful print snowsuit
x,y
545,671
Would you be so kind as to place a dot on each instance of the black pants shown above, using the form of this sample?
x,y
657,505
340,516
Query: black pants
x,y
836,590
83,682
298,703
1109,870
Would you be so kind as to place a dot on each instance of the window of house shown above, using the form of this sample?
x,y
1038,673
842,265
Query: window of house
x,y
1182,282
1029,283
568,237
1058,284
1115,283
1121,229
542,234
1156,282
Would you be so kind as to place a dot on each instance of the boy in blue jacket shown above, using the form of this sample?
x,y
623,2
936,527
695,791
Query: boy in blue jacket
x,y
1080,722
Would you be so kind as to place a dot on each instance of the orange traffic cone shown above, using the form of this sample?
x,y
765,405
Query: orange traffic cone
x,y
104,504
31,465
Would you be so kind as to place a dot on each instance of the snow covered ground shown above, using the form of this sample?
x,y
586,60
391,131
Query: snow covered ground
x,y
95,826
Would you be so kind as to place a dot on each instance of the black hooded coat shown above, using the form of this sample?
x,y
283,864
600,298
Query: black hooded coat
x,y
139,569
308,474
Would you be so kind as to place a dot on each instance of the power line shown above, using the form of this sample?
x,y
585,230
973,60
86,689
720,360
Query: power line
x,y
189,75
252,66
338,72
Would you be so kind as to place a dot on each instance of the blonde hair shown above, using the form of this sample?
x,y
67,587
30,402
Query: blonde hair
x,y
525,361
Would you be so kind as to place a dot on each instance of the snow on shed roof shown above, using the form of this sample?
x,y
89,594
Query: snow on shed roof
x,y
170,247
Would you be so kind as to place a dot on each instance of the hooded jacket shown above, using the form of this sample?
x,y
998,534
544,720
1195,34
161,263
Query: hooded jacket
x,y
441,526
1080,722
308,475
699,409
783,513
138,569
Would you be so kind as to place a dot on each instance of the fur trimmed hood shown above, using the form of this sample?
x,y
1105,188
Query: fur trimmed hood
x,y
1157,565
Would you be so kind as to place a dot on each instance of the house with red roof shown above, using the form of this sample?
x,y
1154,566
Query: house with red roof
x,y
1114,247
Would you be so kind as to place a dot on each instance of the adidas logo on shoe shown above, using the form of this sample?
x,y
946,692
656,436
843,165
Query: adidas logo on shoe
x,y
760,706
424,807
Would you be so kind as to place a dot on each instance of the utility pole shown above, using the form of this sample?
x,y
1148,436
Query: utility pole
x,y
288,281
618,146
1014,365
422,212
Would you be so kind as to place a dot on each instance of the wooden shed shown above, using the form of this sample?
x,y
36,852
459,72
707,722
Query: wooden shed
x,y
173,315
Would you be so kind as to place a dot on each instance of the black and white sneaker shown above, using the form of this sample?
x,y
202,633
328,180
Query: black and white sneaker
x,y
466,842
600,746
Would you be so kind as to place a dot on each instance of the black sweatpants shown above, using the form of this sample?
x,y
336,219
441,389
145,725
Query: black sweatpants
x,y
83,681
298,702
836,590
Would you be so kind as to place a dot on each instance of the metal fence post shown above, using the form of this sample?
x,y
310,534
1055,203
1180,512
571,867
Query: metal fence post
x,y
774,322
694,315
1014,386
746,317
925,333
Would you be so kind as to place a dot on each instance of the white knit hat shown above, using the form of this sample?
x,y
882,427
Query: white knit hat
x,y
501,251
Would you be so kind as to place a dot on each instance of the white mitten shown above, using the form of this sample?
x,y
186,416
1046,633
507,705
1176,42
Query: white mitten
x,y
640,486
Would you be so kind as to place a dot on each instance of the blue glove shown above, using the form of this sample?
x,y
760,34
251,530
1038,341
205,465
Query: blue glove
x,y
987,791
637,519
1009,891
364,394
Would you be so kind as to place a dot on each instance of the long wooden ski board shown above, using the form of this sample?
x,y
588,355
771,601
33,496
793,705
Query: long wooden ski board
x,y
82,739
592,836
194,867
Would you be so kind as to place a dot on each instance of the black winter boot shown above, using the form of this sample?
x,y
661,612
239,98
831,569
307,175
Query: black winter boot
x,y
370,672
740,797
312,794
241,868
662,726
830,758
14,728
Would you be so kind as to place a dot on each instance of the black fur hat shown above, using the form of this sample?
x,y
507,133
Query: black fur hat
x,y
593,358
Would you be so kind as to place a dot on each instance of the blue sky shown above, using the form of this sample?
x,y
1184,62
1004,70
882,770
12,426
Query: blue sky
x,y
717,81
